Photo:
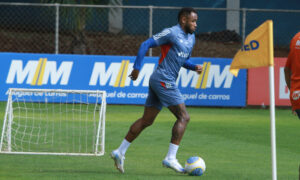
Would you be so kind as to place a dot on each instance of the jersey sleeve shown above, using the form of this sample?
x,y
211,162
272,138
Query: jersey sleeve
x,y
149,43
188,65
289,59
290,56
164,37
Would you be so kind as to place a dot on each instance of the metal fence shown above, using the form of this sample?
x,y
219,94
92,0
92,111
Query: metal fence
x,y
119,30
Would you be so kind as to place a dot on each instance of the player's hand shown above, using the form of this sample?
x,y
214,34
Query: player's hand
x,y
198,69
134,74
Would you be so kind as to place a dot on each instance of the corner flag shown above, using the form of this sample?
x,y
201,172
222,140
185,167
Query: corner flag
x,y
257,50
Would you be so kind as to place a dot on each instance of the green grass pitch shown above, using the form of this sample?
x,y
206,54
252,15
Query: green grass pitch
x,y
234,142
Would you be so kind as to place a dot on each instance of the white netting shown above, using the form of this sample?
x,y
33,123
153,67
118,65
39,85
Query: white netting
x,y
62,122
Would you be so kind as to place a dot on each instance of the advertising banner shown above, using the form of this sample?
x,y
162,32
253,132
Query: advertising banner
x,y
258,85
214,87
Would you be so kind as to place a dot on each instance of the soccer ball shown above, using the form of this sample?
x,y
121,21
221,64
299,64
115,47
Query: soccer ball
x,y
195,166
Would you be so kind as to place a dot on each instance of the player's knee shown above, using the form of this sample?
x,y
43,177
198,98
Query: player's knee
x,y
147,121
185,118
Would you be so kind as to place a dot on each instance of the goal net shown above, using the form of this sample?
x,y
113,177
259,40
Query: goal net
x,y
54,122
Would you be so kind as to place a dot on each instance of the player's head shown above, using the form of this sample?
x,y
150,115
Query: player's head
x,y
187,18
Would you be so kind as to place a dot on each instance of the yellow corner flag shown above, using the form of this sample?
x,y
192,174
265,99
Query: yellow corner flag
x,y
257,50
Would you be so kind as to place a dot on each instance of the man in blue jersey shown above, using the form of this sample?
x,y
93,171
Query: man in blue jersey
x,y
176,47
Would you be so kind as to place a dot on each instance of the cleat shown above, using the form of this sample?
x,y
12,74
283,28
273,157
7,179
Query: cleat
x,y
119,160
173,164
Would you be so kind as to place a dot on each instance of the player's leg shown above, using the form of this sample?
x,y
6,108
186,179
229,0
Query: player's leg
x,y
298,112
151,110
146,120
136,128
177,133
295,101
183,118
170,96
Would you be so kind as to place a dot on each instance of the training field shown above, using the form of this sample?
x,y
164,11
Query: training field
x,y
235,143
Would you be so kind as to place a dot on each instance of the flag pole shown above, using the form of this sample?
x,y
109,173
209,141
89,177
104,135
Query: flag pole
x,y
272,121
272,102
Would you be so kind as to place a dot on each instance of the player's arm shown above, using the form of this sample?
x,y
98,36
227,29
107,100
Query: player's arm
x,y
188,65
287,67
149,43
158,39
287,74
191,66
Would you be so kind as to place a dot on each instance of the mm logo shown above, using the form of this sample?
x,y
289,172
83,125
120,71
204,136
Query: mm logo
x,y
211,77
202,79
116,74
122,74
39,72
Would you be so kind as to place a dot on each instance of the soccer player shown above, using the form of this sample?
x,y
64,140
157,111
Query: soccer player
x,y
292,73
176,46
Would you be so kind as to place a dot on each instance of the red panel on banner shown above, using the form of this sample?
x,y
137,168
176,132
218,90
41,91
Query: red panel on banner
x,y
258,85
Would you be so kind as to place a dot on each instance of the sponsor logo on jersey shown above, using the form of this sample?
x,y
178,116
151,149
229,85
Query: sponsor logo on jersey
x,y
183,54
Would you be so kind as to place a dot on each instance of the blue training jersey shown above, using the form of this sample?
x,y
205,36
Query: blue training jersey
x,y
176,48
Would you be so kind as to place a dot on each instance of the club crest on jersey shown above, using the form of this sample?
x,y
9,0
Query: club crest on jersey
x,y
296,95
298,44
166,85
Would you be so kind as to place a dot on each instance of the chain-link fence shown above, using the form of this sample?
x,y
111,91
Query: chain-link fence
x,y
119,30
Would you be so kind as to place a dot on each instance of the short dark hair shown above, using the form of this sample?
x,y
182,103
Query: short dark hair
x,y
185,12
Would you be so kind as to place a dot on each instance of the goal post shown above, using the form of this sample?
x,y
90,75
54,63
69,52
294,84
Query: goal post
x,y
54,122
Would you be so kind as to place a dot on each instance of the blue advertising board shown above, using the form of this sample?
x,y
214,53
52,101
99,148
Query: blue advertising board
x,y
216,86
